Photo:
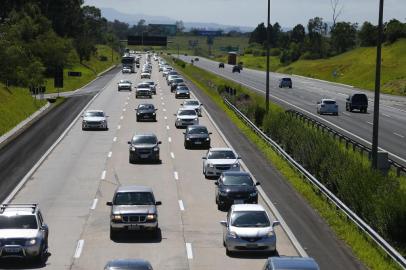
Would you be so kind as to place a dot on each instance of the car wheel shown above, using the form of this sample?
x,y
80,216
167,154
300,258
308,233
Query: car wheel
x,y
229,253
113,233
131,159
350,108
42,257
138,119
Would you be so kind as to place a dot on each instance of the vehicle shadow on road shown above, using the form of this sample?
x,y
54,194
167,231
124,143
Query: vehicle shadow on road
x,y
138,237
253,255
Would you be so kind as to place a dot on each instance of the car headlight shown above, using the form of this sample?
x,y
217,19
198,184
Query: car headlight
x,y
271,234
187,139
207,139
232,235
196,119
236,165
132,148
156,149
116,217
151,217
84,122
222,193
253,194
31,242
211,165
153,113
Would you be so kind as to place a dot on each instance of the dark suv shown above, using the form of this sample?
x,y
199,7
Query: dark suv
x,y
197,136
146,112
285,82
235,187
357,101
144,147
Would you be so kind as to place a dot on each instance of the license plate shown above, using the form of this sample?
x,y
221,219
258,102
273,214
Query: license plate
x,y
238,201
252,245
144,156
13,250
134,227
197,142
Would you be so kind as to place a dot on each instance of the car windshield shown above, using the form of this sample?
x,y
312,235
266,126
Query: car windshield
x,y
198,130
94,114
237,180
178,80
329,102
150,83
144,85
187,112
125,82
249,219
134,198
144,140
146,107
182,88
18,222
224,154
191,103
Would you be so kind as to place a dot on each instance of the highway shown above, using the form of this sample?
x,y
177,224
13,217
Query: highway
x,y
80,175
305,94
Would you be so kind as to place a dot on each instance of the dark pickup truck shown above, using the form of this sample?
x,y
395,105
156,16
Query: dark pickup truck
x,y
357,101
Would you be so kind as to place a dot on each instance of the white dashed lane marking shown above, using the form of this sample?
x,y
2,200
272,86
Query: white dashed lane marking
x,y
114,139
175,174
103,175
189,251
79,249
399,135
94,204
181,206
172,155
110,154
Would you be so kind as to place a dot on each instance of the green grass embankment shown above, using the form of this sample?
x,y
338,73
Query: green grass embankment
x,y
89,70
16,104
364,248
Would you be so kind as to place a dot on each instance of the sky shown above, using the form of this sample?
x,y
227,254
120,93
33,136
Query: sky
x,y
251,12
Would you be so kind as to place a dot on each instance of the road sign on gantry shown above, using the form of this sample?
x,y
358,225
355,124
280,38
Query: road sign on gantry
x,y
147,40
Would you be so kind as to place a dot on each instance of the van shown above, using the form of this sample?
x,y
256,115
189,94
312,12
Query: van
x,y
357,101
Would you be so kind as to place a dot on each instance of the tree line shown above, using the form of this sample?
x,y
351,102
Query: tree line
x,y
37,37
319,40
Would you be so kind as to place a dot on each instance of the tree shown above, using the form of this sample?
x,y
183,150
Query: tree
x,y
275,35
337,10
316,44
368,34
298,34
259,34
180,27
394,30
343,36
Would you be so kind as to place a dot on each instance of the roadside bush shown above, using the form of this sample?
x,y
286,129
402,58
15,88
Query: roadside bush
x,y
275,52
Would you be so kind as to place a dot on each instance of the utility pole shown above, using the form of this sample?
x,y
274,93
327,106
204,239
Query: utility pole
x,y
268,37
375,133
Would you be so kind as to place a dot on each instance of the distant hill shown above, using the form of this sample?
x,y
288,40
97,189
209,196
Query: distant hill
x,y
112,14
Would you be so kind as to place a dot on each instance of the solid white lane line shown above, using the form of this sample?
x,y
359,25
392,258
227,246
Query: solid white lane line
x,y
167,127
399,135
370,123
181,206
79,249
189,251
94,204
169,139
175,174
122,117
118,127
114,139
172,155
110,154
103,175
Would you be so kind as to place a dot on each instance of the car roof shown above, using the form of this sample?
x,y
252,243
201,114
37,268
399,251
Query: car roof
x,y
196,126
144,134
146,104
134,188
130,264
186,109
88,111
288,262
227,173
220,149
247,207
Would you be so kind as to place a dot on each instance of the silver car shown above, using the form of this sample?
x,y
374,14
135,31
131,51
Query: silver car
x,y
94,119
249,228
23,233
133,208
327,106
194,104
124,85
218,160
186,117
291,263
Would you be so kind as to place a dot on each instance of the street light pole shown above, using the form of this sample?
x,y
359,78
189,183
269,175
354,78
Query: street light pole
x,y
268,37
375,133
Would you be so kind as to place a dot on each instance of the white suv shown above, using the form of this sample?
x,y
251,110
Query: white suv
x,y
186,117
218,160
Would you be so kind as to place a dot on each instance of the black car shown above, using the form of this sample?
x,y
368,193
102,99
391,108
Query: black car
x,y
128,264
175,83
182,92
144,147
221,65
357,101
285,82
235,188
197,136
146,112
236,69
196,59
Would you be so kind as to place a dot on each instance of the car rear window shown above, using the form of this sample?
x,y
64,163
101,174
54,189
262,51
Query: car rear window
x,y
134,198
329,102
360,98
286,79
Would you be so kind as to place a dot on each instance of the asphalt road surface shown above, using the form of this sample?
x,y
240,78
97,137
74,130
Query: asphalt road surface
x,y
305,94
80,175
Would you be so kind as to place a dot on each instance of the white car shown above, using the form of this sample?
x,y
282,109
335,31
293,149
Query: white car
x,y
170,78
145,75
218,160
124,85
94,119
126,70
193,104
329,106
186,117
143,90
166,71
249,228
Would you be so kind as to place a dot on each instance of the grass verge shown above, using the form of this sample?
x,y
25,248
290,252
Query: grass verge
x,y
89,70
363,248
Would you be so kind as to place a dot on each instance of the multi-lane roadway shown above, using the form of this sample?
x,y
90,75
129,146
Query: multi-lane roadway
x,y
305,94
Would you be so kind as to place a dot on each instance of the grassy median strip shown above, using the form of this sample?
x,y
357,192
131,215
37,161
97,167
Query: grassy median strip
x,y
364,248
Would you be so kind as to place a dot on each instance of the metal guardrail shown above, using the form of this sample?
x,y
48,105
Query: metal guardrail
x,y
396,256
355,145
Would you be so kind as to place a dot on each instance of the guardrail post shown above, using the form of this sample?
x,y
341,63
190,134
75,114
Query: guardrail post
x,y
398,169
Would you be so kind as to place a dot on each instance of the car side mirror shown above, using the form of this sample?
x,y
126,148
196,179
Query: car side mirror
x,y
223,223
204,157
44,227
276,223
216,183
318,102
257,183
210,133
238,157
184,133
129,142
158,203
109,203
159,142
181,104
